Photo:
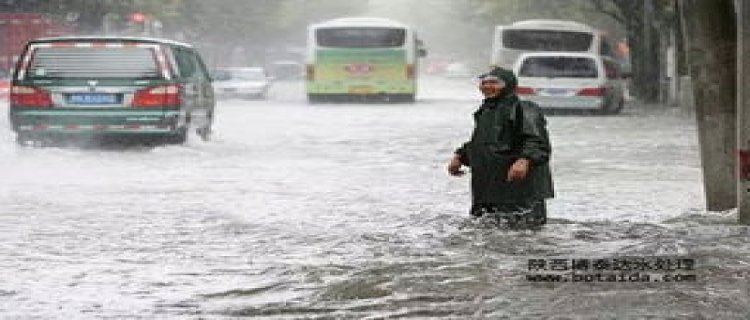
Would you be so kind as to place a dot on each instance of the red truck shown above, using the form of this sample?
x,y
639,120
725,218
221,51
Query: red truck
x,y
18,28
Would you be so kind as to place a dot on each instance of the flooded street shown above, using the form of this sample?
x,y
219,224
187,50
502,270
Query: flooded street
x,y
345,211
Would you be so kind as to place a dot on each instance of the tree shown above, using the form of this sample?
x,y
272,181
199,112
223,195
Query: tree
x,y
86,16
645,22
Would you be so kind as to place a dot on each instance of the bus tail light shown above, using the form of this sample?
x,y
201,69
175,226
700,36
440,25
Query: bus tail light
x,y
593,92
159,96
310,72
30,97
410,71
525,91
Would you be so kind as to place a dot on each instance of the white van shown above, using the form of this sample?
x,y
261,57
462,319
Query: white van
x,y
571,81
544,35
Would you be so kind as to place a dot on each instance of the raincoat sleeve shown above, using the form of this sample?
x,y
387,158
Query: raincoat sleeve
x,y
535,144
463,154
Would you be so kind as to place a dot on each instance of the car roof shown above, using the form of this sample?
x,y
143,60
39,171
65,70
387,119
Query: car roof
x,y
360,22
560,54
111,39
567,54
551,24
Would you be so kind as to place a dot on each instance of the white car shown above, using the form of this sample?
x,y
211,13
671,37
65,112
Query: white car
x,y
241,83
571,81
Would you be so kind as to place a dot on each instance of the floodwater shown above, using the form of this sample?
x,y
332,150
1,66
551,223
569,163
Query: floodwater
x,y
344,211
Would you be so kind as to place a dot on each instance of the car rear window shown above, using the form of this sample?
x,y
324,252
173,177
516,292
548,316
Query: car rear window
x,y
93,62
558,67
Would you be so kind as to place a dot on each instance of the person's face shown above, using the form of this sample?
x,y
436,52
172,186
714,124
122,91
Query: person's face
x,y
491,87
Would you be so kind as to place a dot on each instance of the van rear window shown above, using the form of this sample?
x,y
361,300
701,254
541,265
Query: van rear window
x,y
541,40
558,67
93,62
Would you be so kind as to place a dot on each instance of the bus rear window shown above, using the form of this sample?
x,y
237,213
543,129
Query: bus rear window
x,y
93,62
539,40
361,37
558,67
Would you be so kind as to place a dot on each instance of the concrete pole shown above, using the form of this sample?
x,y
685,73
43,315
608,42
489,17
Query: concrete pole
x,y
743,111
711,38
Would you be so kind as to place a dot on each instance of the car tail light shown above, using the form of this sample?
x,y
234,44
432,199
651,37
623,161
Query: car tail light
x,y
410,71
30,97
310,72
593,92
526,91
157,96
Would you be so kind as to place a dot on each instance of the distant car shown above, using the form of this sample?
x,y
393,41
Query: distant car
x,y
287,70
241,83
101,86
571,81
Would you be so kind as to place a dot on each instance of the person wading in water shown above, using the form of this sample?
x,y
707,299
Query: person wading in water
x,y
509,154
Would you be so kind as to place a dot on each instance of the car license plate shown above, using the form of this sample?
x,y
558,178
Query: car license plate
x,y
93,98
554,92
361,90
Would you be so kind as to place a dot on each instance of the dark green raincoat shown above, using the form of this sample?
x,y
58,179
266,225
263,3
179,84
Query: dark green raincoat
x,y
507,129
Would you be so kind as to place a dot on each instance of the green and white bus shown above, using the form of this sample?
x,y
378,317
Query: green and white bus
x,y
362,59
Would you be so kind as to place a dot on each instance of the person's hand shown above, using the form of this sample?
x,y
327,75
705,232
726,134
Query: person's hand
x,y
454,167
518,170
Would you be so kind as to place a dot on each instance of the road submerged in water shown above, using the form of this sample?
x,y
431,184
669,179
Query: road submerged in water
x,y
344,211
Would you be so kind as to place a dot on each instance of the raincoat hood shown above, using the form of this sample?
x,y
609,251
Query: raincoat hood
x,y
511,82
